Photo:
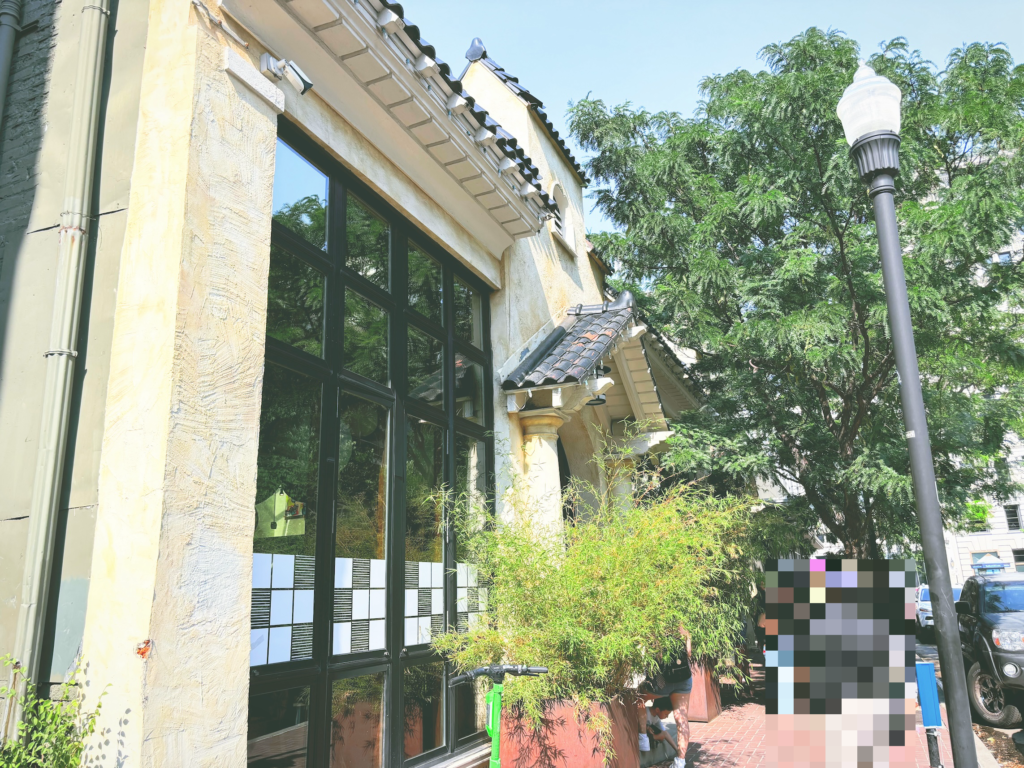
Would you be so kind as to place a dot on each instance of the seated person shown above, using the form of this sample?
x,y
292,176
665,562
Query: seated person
x,y
662,740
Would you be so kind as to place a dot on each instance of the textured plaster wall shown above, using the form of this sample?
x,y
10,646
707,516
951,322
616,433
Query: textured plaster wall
x,y
541,278
172,562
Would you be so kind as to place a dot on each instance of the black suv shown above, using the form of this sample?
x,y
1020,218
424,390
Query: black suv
x,y
991,618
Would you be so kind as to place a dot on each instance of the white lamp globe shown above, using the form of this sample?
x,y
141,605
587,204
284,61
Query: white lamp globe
x,y
871,103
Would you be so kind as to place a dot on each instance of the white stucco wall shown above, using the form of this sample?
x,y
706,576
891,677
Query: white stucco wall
x,y
166,631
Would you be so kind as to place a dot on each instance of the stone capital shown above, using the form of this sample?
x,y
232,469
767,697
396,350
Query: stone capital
x,y
542,423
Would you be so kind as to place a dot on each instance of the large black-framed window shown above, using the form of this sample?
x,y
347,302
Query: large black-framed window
x,y
376,399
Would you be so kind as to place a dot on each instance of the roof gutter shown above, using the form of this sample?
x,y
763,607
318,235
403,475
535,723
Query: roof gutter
x,y
76,218
10,26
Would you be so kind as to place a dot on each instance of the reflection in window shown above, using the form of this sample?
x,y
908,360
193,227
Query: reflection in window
x,y
357,722
424,511
426,382
360,564
300,196
366,338
468,315
469,389
472,506
278,728
368,237
424,284
423,688
470,707
284,539
295,302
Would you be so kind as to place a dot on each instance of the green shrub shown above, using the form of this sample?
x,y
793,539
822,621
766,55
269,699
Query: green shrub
x,y
51,733
601,602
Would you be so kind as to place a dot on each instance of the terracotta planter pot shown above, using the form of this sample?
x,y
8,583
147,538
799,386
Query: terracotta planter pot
x,y
706,696
564,742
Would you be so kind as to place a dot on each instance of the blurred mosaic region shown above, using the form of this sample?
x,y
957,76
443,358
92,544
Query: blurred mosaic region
x,y
840,686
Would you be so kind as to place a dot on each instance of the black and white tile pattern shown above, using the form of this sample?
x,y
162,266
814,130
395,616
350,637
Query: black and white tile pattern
x,y
424,601
282,609
360,604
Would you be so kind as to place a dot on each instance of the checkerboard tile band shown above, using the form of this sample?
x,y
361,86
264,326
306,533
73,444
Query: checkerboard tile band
x,y
281,628
470,597
360,605
424,601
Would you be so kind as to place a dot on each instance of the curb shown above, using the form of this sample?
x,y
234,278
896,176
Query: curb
x,y
985,758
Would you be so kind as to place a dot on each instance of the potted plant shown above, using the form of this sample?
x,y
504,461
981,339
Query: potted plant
x,y
599,603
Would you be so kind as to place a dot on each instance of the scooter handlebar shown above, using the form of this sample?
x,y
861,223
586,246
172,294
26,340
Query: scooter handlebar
x,y
496,672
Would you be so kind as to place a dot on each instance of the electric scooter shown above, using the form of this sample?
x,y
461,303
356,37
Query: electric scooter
x,y
497,673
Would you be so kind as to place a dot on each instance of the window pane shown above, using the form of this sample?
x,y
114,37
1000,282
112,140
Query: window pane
x,y
424,284
295,302
357,722
278,726
468,315
369,242
426,382
300,196
360,565
366,338
423,687
424,504
471,501
284,540
469,389
470,708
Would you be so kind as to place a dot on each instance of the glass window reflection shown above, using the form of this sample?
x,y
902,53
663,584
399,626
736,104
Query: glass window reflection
x,y
360,559
424,284
357,722
468,314
423,688
424,512
295,302
426,380
300,196
278,729
368,237
469,389
284,537
366,338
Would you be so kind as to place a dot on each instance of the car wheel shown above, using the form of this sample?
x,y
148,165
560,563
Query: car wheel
x,y
988,700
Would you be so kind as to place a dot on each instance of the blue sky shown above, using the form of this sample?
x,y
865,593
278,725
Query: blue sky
x,y
655,53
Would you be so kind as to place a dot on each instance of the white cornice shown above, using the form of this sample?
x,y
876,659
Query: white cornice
x,y
396,101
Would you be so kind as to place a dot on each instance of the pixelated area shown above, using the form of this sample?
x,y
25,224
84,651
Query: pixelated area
x,y
840,685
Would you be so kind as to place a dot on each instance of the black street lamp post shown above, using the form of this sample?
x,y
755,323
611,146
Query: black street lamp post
x,y
870,112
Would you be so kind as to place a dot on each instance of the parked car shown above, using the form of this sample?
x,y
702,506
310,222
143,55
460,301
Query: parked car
x,y
923,611
990,613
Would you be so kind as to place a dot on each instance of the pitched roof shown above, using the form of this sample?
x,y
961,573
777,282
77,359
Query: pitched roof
x,y
573,350
504,141
478,52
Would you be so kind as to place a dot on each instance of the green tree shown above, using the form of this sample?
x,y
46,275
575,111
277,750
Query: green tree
x,y
755,240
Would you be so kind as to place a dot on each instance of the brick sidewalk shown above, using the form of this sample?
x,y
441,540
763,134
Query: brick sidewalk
x,y
735,739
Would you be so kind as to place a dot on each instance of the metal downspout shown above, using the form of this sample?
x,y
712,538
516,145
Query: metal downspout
x,y
10,26
76,219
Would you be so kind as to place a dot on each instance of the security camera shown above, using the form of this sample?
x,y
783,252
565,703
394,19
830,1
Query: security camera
x,y
281,69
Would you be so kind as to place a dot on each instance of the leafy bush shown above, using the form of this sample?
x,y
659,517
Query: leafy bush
x,y
51,733
601,602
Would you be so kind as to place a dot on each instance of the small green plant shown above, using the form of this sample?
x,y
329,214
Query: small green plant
x,y
52,732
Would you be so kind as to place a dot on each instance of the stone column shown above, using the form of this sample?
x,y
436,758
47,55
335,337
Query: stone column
x,y
167,626
540,465
620,481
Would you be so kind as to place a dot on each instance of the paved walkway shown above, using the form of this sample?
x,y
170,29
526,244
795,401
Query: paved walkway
x,y
736,738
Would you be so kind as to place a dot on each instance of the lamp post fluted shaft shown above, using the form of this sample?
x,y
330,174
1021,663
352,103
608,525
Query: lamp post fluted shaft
x,y
947,630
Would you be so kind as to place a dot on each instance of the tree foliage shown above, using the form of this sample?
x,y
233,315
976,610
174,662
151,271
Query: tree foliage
x,y
755,240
